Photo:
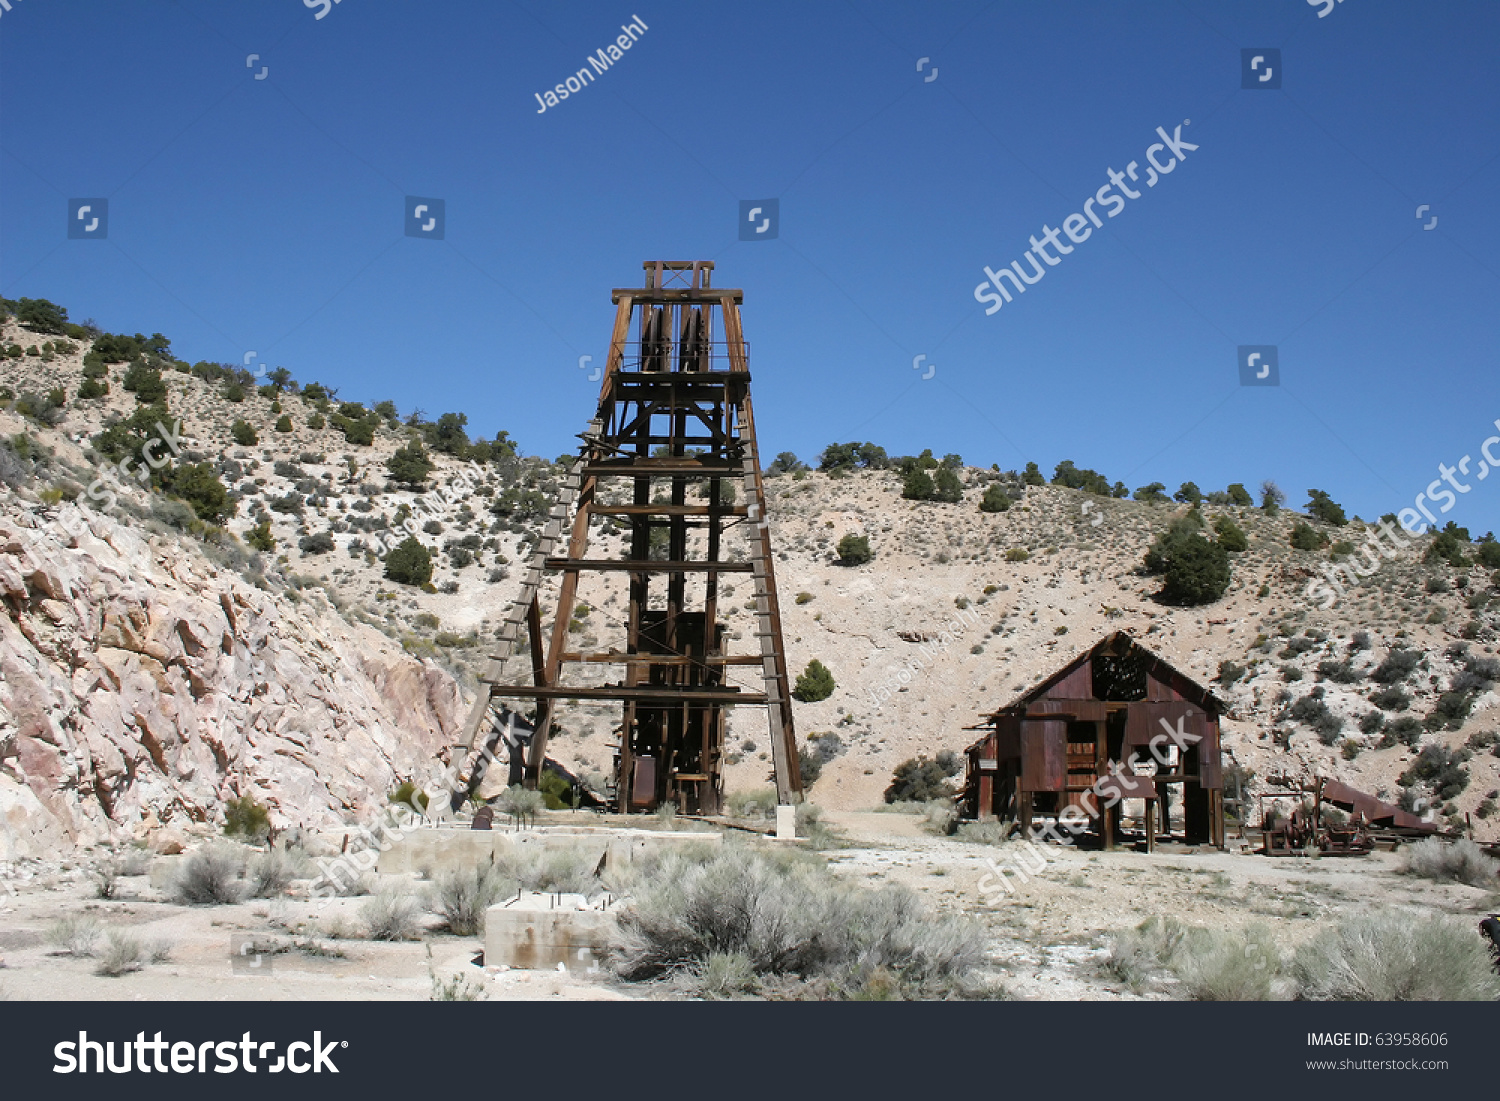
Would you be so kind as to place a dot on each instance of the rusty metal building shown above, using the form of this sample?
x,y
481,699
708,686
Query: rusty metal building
x,y
1083,738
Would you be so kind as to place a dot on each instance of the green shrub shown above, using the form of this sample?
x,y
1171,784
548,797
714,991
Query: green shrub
x,y
410,465
409,563
995,499
259,537
145,382
1195,570
1403,731
918,486
244,817
407,794
854,550
1441,769
1230,672
947,486
90,389
199,486
521,804
1397,666
243,434
1230,535
1322,507
815,683
922,779
283,423
1222,966
1305,537
1138,955
1017,554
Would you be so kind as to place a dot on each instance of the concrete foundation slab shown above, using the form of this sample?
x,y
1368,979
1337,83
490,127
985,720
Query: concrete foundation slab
x,y
537,931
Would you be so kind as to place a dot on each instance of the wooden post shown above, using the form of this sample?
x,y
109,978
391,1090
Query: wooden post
x,y
1026,816
1150,825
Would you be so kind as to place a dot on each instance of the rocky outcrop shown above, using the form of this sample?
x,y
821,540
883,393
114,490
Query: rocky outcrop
x,y
141,684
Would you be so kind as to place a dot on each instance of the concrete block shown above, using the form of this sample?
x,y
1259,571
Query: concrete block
x,y
164,870
539,932
437,849
786,822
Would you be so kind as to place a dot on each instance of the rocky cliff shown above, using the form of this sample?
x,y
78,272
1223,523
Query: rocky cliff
x,y
142,684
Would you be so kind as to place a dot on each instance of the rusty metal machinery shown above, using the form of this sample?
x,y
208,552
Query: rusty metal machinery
x,y
674,412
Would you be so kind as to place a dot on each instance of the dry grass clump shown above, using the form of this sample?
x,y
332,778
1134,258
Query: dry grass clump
x,y
74,936
1394,956
462,896
210,877
740,911
1207,964
753,806
391,913
1139,955
1463,861
270,873
551,868
1385,956
122,954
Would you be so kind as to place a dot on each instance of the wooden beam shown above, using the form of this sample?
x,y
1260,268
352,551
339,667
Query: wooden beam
x,y
661,468
663,694
661,659
668,510
603,565
661,295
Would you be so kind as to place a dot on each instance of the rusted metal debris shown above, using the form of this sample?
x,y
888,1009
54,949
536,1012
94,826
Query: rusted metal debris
x,y
1371,822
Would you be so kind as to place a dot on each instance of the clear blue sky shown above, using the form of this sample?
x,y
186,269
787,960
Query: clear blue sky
x,y
268,215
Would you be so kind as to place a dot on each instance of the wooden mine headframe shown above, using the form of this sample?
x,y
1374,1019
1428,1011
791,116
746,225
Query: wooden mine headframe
x,y
674,410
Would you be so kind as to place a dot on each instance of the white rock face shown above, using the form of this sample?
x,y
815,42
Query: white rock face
x,y
140,684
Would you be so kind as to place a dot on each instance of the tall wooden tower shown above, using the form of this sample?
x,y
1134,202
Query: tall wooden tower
x,y
674,411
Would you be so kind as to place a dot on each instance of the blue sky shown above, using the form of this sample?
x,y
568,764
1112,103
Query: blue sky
x,y
268,215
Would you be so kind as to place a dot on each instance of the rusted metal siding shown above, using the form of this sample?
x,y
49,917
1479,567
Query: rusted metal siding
x,y
1076,684
1084,710
1043,755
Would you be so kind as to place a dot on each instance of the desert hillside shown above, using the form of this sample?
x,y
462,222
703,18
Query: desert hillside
x,y
156,664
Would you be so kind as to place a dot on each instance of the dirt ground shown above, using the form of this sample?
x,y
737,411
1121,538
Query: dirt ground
x,y
1046,938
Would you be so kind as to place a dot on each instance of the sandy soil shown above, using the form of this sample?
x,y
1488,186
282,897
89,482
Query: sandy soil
x,y
1045,940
